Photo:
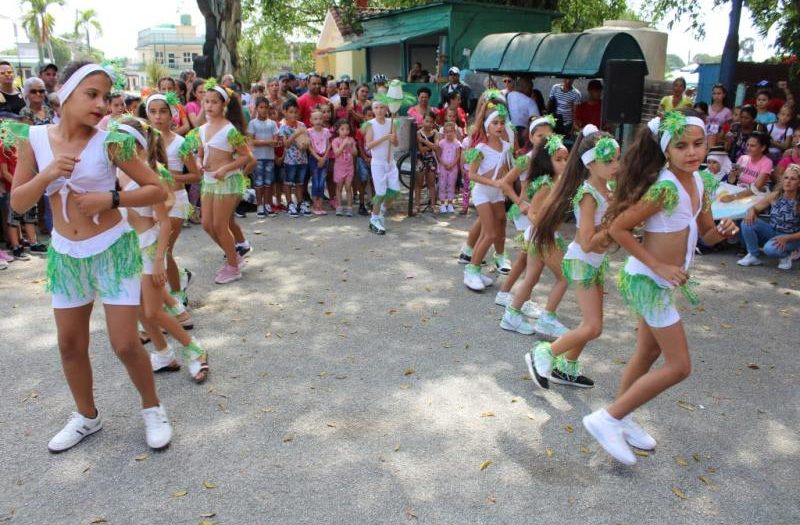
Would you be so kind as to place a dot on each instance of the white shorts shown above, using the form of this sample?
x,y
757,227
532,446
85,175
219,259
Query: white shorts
x,y
129,291
179,209
148,242
662,317
385,176
483,194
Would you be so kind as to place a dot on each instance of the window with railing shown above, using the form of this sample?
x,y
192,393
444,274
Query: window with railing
x,y
171,58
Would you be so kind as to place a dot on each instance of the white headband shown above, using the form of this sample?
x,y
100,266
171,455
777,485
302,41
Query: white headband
x,y
76,78
493,115
221,91
134,133
666,138
539,122
159,96
590,156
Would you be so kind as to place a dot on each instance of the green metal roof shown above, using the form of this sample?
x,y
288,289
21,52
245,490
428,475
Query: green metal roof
x,y
385,31
556,54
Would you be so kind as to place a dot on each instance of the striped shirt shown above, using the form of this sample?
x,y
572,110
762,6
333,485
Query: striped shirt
x,y
565,102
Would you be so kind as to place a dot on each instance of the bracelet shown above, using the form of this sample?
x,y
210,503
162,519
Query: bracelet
x,y
114,199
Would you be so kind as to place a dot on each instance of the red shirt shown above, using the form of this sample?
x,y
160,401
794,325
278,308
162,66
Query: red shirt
x,y
586,113
308,103
8,158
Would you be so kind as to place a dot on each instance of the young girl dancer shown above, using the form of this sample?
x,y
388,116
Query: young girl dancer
x,y
489,159
345,149
180,154
427,137
93,251
152,224
584,185
674,204
538,130
449,149
223,182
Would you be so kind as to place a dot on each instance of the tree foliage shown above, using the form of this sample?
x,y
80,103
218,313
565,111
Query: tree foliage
x,y
39,24
674,62
85,21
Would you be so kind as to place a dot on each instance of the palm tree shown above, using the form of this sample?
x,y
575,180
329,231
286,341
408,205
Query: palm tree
x,y
85,20
39,24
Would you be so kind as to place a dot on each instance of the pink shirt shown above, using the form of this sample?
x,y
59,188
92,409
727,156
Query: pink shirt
x,y
752,169
449,150
791,159
343,166
319,139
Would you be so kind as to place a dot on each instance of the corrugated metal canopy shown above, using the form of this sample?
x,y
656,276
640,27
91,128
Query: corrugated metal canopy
x,y
555,54
395,30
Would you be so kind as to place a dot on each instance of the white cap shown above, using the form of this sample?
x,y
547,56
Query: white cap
x,y
454,71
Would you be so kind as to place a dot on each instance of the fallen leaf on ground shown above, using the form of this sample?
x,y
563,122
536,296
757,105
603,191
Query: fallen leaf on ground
x,y
209,485
696,457
485,464
488,413
585,449
181,493
550,452
753,366
491,499
569,428
331,425
404,386
680,460
288,437
98,519
514,399
618,361
408,371
410,515
685,405
641,453
705,480
208,514
397,447
141,457
531,416
678,492
726,325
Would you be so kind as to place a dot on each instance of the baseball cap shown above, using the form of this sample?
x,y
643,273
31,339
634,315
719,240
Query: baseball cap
x,y
763,83
283,76
454,71
47,66
302,76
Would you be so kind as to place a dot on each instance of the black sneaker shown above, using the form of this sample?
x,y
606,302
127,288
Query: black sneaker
x,y
19,254
362,210
562,378
463,258
38,248
244,250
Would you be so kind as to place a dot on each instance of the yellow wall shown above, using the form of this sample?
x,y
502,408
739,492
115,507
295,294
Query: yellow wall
x,y
352,63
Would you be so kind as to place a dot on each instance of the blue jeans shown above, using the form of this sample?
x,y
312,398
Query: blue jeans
x,y
318,174
761,230
362,168
295,174
264,174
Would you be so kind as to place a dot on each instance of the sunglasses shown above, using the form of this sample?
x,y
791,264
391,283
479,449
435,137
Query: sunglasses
x,y
507,81
37,91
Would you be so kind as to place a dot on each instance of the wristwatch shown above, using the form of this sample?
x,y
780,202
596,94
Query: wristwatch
x,y
114,199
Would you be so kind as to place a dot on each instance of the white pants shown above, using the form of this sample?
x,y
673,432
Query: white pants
x,y
483,194
385,176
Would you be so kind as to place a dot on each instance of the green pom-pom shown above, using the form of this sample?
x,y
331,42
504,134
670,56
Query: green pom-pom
x,y
12,132
521,162
493,94
605,150
364,126
125,145
539,183
236,139
191,144
211,83
664,192
611,185
554,143
472,155
583,189
513,212
673,122
172,98
165,174
502,110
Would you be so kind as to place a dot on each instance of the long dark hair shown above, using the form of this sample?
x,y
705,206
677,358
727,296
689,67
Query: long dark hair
x,y
555,208
156,152
234,112
541,164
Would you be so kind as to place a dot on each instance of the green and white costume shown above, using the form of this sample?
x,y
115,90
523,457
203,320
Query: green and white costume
x,y
586,269
226,139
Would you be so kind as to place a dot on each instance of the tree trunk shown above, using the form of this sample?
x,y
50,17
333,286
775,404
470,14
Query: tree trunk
x,y
730,53
223,30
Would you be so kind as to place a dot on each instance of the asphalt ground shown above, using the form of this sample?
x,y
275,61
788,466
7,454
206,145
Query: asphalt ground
x,y
354,379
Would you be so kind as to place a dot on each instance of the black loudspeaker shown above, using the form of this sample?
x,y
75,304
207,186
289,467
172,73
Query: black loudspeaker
x,y
623,91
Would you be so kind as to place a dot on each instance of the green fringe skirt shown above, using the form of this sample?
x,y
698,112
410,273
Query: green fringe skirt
x,y
232,185
583,273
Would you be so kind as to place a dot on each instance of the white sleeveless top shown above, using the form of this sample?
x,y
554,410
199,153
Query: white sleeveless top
x,y
174,160
381,151
574,250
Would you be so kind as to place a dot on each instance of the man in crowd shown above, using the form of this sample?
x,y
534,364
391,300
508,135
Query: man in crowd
x,y
302,84
454,84
49,75
521,107
286,80
309,101
10,99
563,99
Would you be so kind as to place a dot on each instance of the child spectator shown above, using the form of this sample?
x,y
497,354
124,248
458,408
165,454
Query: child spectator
x,y
26,221
755,168
718,163
344,149
781,133
449,160
295,157
117,107
262,133
280,190
764,115
427,137
363,180
318,161
791,156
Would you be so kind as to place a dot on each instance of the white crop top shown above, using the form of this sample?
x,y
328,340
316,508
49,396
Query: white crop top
x,y
574,250
381,151
492,159
95,171
174,160
145,211
219,140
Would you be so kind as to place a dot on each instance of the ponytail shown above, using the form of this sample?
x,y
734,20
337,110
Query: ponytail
x,y
156,152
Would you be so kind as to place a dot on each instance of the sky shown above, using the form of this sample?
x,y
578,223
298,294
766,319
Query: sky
x,y
121,25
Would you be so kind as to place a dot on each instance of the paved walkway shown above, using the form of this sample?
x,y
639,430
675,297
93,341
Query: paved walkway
x,y
355,380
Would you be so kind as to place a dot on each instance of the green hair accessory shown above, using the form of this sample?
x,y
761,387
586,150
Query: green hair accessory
x,y
605,150
172,98
211,83
491,94
554,143
673,123
12,132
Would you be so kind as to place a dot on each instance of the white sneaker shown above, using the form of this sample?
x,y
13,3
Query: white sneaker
x,y
442,208
531,310
164,360
305,209
260,211
785,263
549,326
473,281
749,260
635,435
540,364
515,322
3,264
293,210
383,209
376,225
487,281
157,430
77,428
450,208
608,433
502,263
503,298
